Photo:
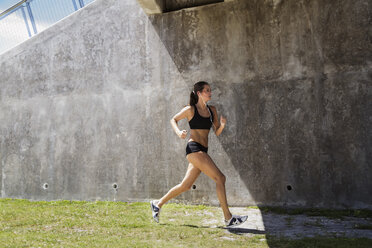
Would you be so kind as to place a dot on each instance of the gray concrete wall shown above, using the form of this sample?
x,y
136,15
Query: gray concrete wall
x,y
86,103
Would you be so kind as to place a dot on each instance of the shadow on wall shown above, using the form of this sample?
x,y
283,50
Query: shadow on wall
x,y
297,134
297,130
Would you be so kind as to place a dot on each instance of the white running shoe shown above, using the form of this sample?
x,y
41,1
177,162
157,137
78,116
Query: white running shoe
x,y
236,220
155,211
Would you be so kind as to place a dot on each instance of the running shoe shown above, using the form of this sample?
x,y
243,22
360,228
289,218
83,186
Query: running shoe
x,y
155,211
236,220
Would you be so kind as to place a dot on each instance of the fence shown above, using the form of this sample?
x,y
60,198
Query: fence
x,y
29,17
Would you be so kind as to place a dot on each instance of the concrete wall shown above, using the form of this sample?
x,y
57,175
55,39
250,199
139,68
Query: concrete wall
x,y
87,103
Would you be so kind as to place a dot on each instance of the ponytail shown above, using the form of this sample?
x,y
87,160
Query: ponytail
x,y
193,98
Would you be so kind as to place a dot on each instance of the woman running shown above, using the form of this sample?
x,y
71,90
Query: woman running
x,y
201,118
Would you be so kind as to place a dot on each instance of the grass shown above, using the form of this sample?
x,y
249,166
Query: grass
x,y
321,242
317,223
289,221
363,226
25,223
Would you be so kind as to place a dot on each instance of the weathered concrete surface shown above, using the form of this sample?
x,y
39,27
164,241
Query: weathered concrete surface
x,y
294,79
87,103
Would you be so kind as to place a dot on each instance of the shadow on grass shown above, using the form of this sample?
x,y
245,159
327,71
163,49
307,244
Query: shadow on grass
x,y
240,231
237,231
185,225
194,226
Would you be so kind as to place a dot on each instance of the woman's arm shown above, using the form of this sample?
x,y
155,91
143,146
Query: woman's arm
x,y
218,124
179,116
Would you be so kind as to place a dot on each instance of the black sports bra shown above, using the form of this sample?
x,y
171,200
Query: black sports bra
x,y
200,122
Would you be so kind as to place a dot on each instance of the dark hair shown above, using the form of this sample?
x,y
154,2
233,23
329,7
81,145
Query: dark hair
x,y
199,86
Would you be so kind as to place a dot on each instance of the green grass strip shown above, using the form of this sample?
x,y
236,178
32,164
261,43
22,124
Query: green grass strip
x,y
26,223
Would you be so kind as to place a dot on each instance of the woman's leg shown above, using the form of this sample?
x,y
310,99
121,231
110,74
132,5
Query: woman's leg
x,y
190,177
205,164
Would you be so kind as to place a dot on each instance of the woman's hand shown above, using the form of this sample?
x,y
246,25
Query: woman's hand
x,y
223,121
182,134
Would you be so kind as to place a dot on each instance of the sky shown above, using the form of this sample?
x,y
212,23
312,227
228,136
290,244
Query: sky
x,y
6,4
13,29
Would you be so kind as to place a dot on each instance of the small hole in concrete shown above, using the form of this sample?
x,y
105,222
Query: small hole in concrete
x,y
45,186
194,186
289,187
115,186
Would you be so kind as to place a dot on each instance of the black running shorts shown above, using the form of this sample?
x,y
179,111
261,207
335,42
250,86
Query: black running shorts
x,y
193,146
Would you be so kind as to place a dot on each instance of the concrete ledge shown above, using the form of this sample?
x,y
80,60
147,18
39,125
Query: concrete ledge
x,y
160,6
152,6
172,5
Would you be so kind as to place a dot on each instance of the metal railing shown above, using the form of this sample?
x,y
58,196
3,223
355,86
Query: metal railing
x,y
29,17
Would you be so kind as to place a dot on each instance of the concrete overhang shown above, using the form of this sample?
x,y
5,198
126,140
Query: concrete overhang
x,y
161,6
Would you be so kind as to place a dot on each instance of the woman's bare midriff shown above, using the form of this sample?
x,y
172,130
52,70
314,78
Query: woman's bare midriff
x,y
200,136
